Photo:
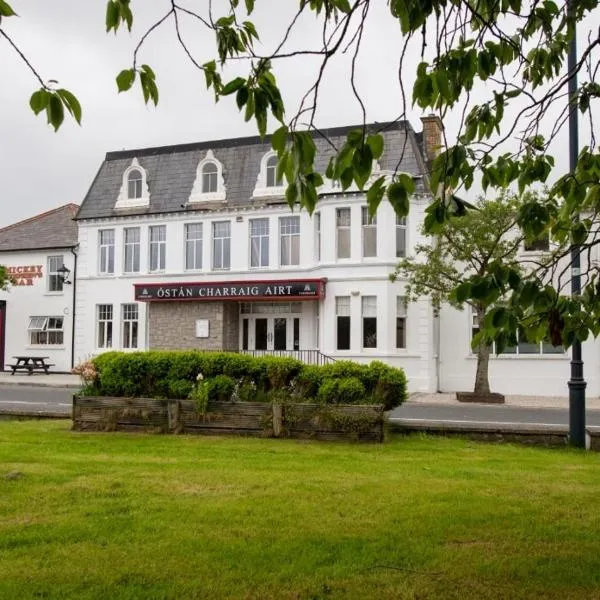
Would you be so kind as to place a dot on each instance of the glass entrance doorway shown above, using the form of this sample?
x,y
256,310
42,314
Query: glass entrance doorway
x,y
261,331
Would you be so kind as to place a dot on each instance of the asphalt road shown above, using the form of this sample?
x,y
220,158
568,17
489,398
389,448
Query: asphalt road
x,y
58,400
479,413
19,398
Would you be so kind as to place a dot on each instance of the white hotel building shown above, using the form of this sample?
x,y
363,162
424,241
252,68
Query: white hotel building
x,y
194,246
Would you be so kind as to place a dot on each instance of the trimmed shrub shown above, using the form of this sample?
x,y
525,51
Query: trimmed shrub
x,y
180,388
174,374
307,382
346,390
219,388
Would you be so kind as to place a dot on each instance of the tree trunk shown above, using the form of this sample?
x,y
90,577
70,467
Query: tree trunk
x,y
482,380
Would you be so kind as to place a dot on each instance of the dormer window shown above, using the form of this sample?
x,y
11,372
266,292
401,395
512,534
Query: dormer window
x,y
267,183
272,172
209,178
134,180
134,190
209,184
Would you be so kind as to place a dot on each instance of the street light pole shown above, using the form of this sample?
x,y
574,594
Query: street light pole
x,y
577,383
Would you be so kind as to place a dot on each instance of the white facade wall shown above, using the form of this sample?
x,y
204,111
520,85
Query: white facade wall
x,y
525,374
354,277
26,301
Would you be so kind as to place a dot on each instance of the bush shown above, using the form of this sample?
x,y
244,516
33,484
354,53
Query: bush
x,y
219,388
174,374
307,382
346,390
180,388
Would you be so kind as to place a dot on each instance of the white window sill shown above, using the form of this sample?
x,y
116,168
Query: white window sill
x,y
40,347
218,196
54,293
133,203
269,191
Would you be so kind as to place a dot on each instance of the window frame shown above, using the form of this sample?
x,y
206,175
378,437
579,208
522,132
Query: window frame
x,y
210,179
400,227
344,228
401,317
318,248
196,244
516,350
222,242
104,326
343,315
367,321
368,226
137,184
271,180
135,247
161,246
46,326
291,236
55,278
264,240
106,252
130,326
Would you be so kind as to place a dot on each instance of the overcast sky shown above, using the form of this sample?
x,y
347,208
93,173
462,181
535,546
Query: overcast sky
x,y
65,40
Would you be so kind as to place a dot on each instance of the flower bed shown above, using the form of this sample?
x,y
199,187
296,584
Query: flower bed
x,y
217,392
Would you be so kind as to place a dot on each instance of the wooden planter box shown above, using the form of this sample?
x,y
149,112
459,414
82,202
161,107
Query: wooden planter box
x,y
258,419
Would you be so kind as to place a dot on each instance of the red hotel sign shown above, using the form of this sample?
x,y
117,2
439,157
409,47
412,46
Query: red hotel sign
x,y
24,275
285,289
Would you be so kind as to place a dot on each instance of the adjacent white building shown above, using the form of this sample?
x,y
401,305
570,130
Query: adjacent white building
x,y
36,313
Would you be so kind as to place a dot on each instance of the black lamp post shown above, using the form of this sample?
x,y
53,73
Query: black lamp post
x,y
577,383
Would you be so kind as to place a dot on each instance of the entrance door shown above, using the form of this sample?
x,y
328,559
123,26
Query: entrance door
x,y
2,332
271,333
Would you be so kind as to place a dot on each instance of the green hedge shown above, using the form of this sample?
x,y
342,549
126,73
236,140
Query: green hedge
x,y
176,374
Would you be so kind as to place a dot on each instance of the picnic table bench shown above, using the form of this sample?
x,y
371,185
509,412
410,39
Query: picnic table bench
x,y
30,364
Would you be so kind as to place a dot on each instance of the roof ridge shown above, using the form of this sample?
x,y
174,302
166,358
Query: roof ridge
x,y
252,139
40,216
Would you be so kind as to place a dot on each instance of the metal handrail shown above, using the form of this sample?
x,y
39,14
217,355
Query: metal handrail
x,y
309,357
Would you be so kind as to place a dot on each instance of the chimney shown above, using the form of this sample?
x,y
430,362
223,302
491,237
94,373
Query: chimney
x,y
432,136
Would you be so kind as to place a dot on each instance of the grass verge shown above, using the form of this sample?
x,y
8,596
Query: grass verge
x,y
138,516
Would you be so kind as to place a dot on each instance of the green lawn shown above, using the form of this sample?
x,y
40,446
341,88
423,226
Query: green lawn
x,y
138,516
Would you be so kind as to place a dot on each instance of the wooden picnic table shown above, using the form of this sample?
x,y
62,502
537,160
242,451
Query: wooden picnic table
x,y
30,364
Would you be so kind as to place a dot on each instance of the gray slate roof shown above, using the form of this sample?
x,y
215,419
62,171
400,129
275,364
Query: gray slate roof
x,y
171,170
53,229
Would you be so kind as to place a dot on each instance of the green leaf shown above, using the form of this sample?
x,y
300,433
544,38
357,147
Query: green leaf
x,y
39,100
398,196
363,165
375,142
291,193
72,104
55,111
355,138
233,86
125,79
462,292
375,195
6,10
249,6
241,97
346,178
279,138
112,15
